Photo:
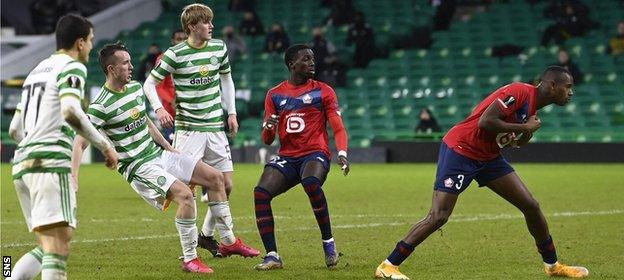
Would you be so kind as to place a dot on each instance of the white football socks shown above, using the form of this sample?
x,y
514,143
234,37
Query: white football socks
x,y
29,265
223,221
188,237
208,227
53,267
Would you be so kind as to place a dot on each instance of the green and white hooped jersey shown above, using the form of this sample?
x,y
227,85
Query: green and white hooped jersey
x,y
47,145
121,117
196,75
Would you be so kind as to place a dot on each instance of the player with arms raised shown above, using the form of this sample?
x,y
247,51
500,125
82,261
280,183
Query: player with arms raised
x,y
471,150
298,109
49,106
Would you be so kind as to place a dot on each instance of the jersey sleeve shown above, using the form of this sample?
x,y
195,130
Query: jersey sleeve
x,y
71,80
512,98
330,102
97,115
165,66
225,62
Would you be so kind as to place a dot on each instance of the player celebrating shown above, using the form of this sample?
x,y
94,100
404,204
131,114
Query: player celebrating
x,y
119,113
471,150
298,110
49,106
200,67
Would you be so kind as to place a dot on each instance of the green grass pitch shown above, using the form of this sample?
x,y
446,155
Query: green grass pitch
x,y
120,237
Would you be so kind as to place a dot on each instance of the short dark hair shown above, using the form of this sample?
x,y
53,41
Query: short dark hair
x,y
105,56
70,28
555,73
176,32
292,51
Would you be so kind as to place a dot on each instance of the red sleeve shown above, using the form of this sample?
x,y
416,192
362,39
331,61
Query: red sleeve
x,y
512,98
332,109
269,109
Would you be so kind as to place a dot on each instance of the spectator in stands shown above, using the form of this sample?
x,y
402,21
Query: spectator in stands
x,y
277,41
328,67
428,122
242,5
341,12
322,48
571,19
362,35
565,61
235,44
616,44
445,9
166,89
148,63
251,24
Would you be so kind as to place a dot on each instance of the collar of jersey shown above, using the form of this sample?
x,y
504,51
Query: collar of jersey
x,y
125,88
190,46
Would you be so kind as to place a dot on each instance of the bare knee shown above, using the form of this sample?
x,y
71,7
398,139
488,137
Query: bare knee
x,y
438,218
530,207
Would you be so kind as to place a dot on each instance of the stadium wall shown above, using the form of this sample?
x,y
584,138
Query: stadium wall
x,y
403,152
410,151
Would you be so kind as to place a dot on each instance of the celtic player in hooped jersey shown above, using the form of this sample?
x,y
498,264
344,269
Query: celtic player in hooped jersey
x,y
119,113
204,86
44,125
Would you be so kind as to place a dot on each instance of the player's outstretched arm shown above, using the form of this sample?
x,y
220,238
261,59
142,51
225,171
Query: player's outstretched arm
x,y
158,137
492,120
149,87
16,128
78,120
341,138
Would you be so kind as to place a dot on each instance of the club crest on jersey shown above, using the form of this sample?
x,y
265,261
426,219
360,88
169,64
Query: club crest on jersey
x,y
214,60
139,100
135,113
307,99
203,70
73,82
448,183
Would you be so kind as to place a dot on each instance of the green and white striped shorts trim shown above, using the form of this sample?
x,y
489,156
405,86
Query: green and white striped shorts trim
x,y
53,200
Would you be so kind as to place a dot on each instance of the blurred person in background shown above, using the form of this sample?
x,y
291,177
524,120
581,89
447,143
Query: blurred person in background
x,y
428,122
148,63
564,60
616,44
277,41
251,24
235,44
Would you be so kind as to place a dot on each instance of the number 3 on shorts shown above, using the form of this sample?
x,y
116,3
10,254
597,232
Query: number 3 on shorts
x,y
461,181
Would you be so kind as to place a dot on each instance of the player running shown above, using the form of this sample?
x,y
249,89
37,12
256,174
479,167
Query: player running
x,y
201,75
49,106
471,150
298,109
155,174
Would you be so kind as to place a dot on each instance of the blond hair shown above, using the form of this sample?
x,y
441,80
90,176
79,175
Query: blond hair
x,y
194,14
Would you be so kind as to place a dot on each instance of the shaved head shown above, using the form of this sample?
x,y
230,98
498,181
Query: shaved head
x,y
556,74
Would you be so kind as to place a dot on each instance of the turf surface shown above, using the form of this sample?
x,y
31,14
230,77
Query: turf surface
x,y
120,236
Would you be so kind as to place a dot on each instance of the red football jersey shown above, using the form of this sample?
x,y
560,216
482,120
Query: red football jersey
x,y
517,101
303,114
166,91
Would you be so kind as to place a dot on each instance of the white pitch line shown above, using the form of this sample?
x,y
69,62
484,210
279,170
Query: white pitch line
x,y
457,218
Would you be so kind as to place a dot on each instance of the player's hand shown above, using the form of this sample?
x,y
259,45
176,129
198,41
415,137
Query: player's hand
x,y
344,164
111,157
164,118
233,124
532,124
271,122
